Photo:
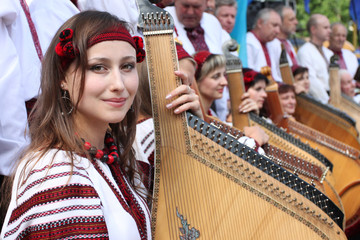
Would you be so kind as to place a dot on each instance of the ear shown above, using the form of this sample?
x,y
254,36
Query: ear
x,y
259,23
64,85
312,28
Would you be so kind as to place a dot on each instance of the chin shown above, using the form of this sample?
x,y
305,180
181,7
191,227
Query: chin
x,y
116,119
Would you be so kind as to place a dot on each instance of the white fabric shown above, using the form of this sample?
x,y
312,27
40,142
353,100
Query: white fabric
x,y
351,61
212,29
144,146
20,68
47,24
119,223
145,140
214,41
19,81
256,56
357,99
275,53
126,10
310,57
250,142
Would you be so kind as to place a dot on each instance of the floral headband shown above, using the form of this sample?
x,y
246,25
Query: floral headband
x,y
250,75
67,52
200,57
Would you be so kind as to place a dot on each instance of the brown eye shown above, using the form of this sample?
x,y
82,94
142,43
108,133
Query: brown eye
x,y
97,68
128,66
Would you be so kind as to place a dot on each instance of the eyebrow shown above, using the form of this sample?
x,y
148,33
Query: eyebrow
x,y
105,59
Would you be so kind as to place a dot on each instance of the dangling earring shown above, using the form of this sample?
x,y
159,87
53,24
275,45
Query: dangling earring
x,y
132,108
67,102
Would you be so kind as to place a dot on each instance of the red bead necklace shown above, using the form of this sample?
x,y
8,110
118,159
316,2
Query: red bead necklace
x,y
108,155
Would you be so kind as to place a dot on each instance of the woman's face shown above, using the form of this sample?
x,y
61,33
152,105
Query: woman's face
x,y
288,102
111,82
258,93
212,85
303,79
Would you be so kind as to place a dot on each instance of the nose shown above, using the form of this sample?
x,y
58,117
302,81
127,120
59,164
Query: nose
x,y
116,81
224,81
293,101
263,94
190,10
277,30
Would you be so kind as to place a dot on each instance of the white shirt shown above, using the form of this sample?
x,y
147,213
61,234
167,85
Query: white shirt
x,y
47,24
275,53
126,10
214,35
54,171
256,55
351,61
310,57
20,68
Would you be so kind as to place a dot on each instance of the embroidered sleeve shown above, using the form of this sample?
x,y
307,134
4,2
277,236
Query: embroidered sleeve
x,y
55,204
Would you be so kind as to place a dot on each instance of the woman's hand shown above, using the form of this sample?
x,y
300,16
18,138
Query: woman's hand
x,y
256,133
184,98
248,105
299,88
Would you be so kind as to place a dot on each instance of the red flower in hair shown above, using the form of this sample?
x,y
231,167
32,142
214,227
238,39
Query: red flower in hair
x,y
140,52
65,48
249,76
66,34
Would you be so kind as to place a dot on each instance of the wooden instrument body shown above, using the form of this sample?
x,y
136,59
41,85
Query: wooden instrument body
x,y
346,168
204,190
318,116
314,173
346,172
320,140
315,115
339,101
237,89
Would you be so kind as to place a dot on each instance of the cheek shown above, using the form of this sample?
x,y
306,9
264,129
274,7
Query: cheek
x,y
132,87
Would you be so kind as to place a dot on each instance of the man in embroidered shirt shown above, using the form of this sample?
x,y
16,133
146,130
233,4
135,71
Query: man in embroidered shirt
x,y
347,59
198,30
315,56
259,41
287,29
225,11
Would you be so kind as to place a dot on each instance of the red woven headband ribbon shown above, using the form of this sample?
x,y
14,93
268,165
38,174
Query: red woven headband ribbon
x,y
67,52
200,57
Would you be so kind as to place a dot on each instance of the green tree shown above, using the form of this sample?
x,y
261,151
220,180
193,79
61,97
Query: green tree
x,y
335,10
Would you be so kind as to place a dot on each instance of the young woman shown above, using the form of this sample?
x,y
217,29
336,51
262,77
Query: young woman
x,y
254,97
78,178
301,78
211,79
287,98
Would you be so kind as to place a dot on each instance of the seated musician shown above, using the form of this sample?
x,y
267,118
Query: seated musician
x,y
287,99
254,97
211,79
347,84
301,78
